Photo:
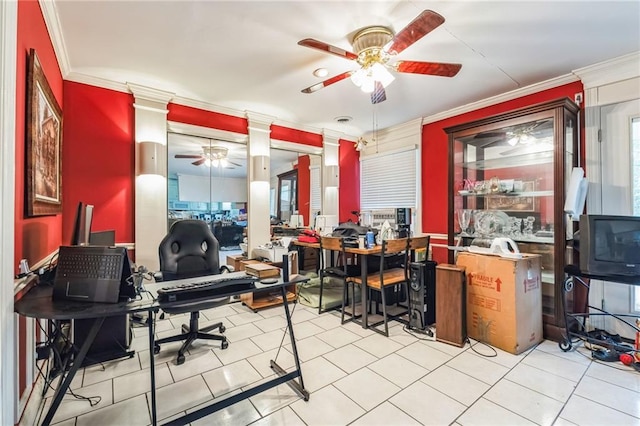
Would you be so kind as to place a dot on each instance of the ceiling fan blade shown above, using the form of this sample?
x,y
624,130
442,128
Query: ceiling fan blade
x,y
198,162
378,95
187,156
422,25
328,82
430,68
319,45
235,164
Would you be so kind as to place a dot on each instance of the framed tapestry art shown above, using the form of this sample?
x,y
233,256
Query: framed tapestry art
x,y
44,144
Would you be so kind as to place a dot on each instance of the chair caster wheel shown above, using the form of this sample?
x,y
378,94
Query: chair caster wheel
x,y
185,328
156,349
222,329
565,345
180,359
162,316
224,345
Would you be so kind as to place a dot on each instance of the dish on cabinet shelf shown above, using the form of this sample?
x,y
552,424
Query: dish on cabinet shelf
x,y
490,222
463,192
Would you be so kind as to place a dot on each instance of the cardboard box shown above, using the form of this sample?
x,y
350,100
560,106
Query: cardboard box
x,y
504,300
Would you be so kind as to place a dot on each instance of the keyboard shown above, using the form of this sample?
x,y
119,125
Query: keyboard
x,y
209,288
98,265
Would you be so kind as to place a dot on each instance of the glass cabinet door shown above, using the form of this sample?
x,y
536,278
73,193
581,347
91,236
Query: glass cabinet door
x,y
507,179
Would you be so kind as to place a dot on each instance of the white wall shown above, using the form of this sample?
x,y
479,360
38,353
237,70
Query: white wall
x,y
206,189
607,84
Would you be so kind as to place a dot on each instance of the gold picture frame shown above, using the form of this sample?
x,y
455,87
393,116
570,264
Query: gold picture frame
x,y
43,144
514,202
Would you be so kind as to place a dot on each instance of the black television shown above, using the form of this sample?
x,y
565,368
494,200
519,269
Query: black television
x,y
82,225
610,245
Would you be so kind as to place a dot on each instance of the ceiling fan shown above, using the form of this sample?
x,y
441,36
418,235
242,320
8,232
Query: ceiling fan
x,y
215,156
376,46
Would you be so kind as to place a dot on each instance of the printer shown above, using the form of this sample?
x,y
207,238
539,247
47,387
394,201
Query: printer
x,y
272,251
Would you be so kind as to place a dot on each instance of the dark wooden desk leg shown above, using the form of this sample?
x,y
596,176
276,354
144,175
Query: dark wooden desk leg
x,y
297,387
75,366
152,366
363,291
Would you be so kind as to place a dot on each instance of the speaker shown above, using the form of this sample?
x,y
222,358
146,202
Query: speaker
x,y
422,294
451,305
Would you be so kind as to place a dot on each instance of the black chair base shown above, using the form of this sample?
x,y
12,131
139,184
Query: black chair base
x,y
190,333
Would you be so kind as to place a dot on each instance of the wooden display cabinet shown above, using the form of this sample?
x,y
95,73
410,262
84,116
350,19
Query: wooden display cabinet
x,y
508,176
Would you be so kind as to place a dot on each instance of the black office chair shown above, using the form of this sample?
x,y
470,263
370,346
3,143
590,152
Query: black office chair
x,y
190,250
330,246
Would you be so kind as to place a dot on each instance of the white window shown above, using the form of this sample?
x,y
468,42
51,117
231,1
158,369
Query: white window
x,y
635,187
316,194
389,180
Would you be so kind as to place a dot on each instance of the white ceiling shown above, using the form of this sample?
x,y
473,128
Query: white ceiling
x,y
244,54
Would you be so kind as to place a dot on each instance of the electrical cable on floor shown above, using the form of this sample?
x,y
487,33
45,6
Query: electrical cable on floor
x,y
473,348
597,361
93,400
428,332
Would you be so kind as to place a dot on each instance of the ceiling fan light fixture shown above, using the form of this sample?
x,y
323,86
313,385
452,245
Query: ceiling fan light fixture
x,y
321,72
207,162
358,77
368,84
223,162
380,73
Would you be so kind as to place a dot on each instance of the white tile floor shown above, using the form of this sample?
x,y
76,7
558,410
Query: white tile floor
x,y
355,377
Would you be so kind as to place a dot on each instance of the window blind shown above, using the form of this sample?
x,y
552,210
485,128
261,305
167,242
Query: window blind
x,y
388,180
316,187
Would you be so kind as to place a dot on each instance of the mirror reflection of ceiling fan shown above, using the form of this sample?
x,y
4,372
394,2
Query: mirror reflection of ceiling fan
x,y
518,136
376,46
212,156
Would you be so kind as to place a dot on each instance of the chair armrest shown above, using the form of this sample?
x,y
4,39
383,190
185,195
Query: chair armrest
x,y
225,269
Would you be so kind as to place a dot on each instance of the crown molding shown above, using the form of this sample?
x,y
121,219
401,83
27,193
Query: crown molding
x,y
52,22
258,121
145,93
301,127
514,94
298,147
207,106
97,82
611,71
332,134
206,132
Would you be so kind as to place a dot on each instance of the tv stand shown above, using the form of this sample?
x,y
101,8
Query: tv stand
x,y
575,323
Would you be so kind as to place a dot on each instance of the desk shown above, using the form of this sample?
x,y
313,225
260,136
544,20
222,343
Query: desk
x,y
574,275
362,254
37,303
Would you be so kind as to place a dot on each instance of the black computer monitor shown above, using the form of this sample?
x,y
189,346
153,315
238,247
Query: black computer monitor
x,y
82,224
103,238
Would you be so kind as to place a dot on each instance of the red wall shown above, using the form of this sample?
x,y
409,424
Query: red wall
x,y
349,189
304,187
298,136
435,156
99,159
38,236
200,117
